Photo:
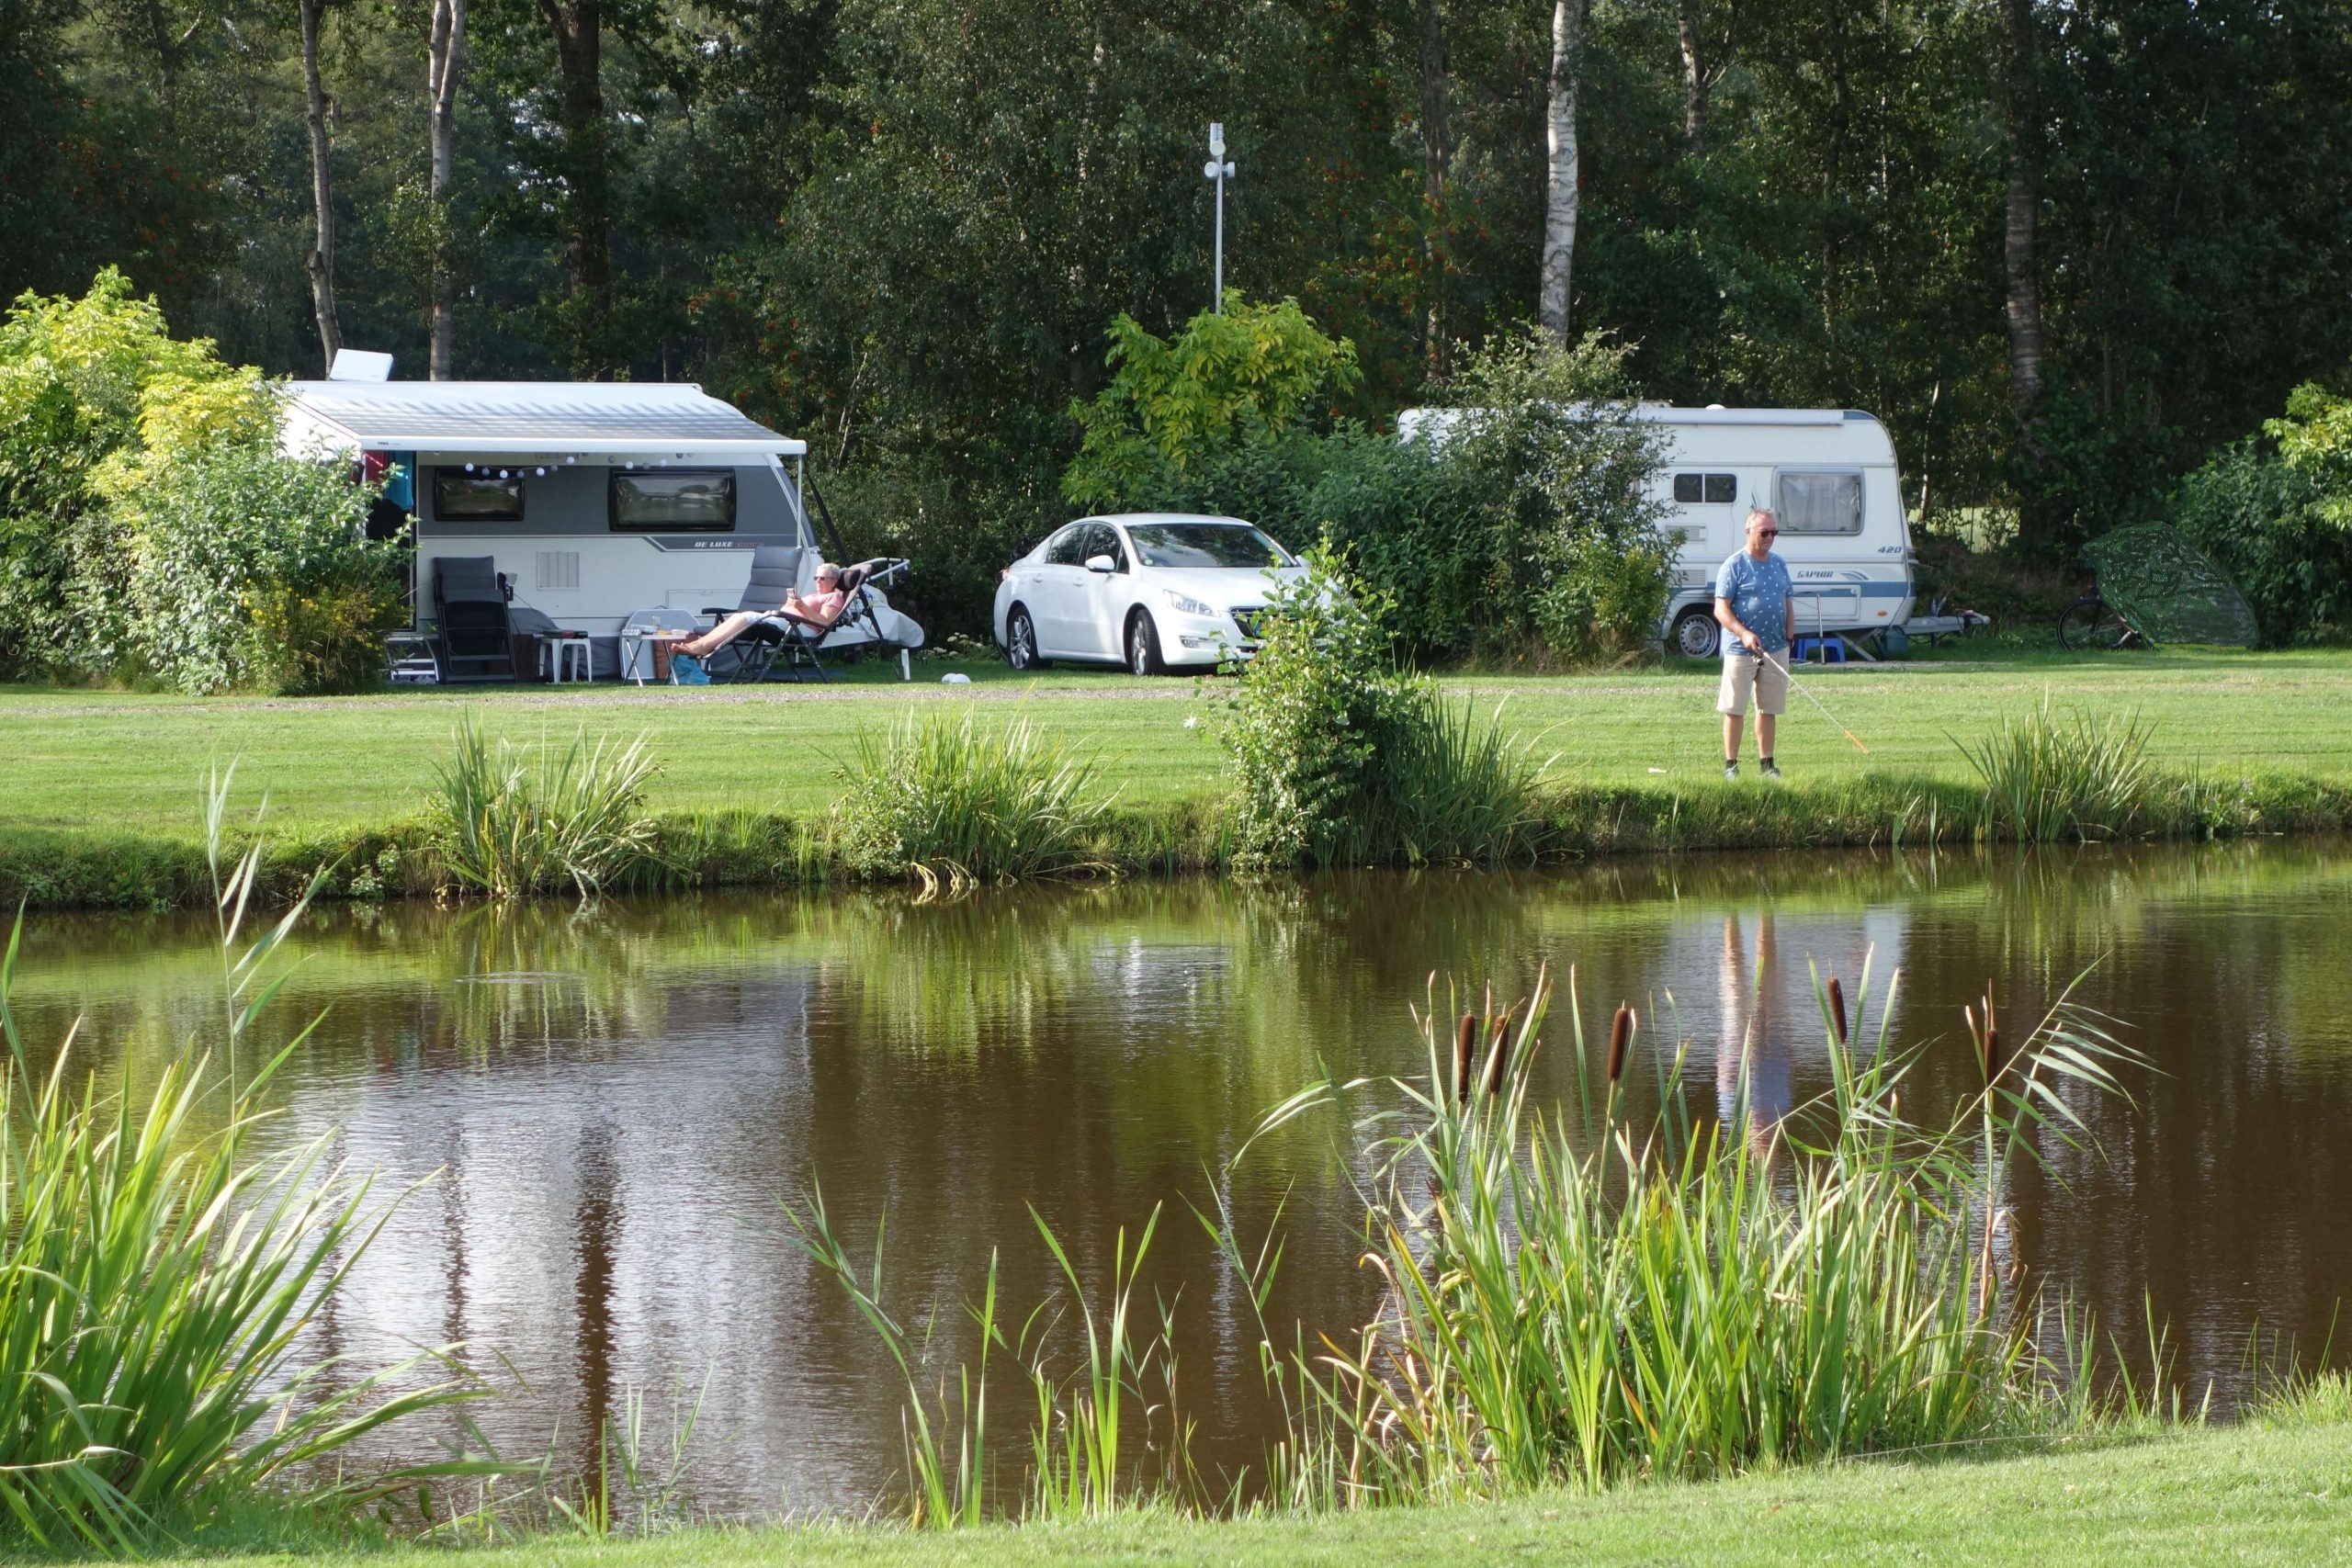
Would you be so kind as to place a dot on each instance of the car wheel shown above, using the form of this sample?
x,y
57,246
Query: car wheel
x,y
1020,640
1695,633
1143,645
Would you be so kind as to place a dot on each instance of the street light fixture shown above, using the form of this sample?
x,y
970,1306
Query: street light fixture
x,y
1217,169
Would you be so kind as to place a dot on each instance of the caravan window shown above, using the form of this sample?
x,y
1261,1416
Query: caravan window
x,y
672,501
1705,490
1819,504
461,497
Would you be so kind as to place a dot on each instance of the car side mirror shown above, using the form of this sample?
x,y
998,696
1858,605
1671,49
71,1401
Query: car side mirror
x,y
1102,564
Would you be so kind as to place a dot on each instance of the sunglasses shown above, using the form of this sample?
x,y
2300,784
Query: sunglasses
x,y
1767,533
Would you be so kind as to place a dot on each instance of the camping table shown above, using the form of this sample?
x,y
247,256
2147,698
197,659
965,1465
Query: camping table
x,y
646,652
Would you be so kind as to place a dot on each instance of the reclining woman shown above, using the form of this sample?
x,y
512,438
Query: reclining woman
x,y
819,608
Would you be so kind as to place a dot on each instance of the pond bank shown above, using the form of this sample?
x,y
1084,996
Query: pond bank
x,y
98,868
2257,1494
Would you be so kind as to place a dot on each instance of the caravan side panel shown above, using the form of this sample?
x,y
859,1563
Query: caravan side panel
x,y
565,558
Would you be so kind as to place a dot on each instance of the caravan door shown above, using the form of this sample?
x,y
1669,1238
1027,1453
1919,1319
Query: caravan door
x,y
1820,515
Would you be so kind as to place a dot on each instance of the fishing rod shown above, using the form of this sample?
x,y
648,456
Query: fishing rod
x,y
1808,696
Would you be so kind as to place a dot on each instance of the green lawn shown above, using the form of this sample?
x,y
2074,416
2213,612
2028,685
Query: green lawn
x,y
2245,1496
126,761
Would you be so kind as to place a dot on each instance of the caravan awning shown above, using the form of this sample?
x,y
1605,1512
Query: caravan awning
x,y
556,418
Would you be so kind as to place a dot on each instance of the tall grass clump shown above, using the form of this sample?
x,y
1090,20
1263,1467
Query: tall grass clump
x,y
156,1278
1572,1299
2083,778
943,799
1337,756
1121,1386
510,821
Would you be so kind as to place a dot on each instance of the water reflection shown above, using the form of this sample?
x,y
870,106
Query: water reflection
x,y
615,1100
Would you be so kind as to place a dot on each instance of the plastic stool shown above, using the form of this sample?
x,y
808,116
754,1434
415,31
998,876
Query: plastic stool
x,y
1831,648
570,657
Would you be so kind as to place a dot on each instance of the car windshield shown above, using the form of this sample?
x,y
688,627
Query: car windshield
x,y
1206,545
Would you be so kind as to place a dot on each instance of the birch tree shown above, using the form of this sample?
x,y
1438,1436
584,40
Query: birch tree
x,y
1560,170
445,52
319,263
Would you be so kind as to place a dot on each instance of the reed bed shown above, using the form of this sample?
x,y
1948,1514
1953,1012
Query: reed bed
x,y
951,803
1448,788
508,821
156,1276
1115,1397
1577,1295
2082,777
1572,1298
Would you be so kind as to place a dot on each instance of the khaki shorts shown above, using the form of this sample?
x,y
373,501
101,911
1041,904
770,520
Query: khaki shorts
x,y
1742,679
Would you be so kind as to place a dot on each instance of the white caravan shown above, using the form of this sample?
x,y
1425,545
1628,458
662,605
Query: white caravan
x,y
1828,475
596,500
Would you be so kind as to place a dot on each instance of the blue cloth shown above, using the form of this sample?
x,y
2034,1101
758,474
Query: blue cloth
x,y
1760,592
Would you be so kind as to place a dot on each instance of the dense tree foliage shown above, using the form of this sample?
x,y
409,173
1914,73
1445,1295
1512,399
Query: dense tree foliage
x,y
905,228
148,529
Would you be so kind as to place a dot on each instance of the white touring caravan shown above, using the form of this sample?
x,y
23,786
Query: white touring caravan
x,y
596,500
1828,475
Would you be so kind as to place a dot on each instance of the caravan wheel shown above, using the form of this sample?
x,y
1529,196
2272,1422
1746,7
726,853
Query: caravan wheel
x,y
1695,633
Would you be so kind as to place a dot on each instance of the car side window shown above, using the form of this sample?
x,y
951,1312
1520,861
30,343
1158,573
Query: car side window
x,y
1101,539
1065,548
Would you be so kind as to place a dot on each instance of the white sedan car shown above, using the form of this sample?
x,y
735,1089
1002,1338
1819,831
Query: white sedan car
x,y
1149,590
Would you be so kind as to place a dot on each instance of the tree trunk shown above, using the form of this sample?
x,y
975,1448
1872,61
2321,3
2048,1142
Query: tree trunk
x,y
1836,198
321,263
2020,266
1696,83
1560,182
1437,162
445,52
578,26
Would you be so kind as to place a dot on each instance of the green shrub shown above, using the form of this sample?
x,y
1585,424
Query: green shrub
x,y
942,798
1337,756
506,826
90,389
246,569
2262,520
2315,439
1242,377
1525,532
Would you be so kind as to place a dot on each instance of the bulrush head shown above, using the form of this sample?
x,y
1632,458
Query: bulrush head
x,y
1498,1053
1993,1062
1620,1035
1465,1040
1837,1009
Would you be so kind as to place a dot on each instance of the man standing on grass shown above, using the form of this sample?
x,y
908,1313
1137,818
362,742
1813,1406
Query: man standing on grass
x,y
1758,611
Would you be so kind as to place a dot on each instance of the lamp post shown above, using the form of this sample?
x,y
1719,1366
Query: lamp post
x,y
1217,169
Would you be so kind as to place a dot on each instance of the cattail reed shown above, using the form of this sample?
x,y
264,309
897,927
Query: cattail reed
x,y
1498,1053
1620,1035
1993,1063
1466,1041
1837,1009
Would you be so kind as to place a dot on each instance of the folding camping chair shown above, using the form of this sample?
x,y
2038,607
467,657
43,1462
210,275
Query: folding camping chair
x,y
793,641
477,637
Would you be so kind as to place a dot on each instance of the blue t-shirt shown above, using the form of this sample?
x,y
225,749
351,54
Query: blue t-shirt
x,y
1760,594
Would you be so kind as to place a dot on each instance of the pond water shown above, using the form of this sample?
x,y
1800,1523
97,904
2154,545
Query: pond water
x,y
613,1101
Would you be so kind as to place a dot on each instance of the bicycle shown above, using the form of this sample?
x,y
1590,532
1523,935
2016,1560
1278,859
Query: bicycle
x,y
2091,622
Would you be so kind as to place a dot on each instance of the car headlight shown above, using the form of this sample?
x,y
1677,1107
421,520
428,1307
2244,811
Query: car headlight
x,y
1185,604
